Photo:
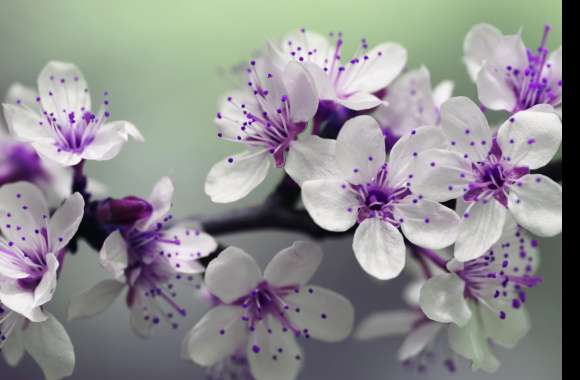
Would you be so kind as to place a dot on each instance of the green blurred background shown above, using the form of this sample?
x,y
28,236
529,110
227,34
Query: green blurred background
x,y
163,64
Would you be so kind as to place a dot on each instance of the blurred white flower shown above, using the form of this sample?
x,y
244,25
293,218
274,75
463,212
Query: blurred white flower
x,y
510,77
264,314
483,298
145,257
59,123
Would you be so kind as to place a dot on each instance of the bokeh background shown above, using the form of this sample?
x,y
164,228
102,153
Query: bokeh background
x,y
163,63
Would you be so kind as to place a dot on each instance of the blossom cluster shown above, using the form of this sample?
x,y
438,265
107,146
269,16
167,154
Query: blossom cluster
x,y
418,177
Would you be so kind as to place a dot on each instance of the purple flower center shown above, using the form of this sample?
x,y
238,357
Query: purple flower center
x,y
533,84
265,300
377,199
493,178
501,274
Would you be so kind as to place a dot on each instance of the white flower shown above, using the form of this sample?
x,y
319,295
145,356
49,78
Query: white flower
x,y
145,258
353,83
61,126
47,343
20,162
349,181
411,103
33,246
264,314
483,298
266,118
420,332
491,173
510,77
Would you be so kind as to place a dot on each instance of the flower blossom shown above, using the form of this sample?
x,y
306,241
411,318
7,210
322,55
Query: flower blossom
x,y
354,83
421,333
349,181
144,257
20,162
266,118
483,299
510,77
33,246
47,342
492,173
411,103
264,314
60,125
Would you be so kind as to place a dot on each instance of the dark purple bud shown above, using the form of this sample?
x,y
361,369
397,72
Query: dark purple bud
x,y
123,212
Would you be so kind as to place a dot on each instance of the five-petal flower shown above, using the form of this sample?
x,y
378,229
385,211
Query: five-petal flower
x,y
492,173
264,313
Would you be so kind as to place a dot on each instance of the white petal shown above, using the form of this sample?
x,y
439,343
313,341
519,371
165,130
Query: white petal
x,y
379,249
47,285
478,46
505,332
386,324
471,343
62,86
407,150
232,274
494,91
360,101
466,128
323,82
294,265
23,215
418,340
428,224
94,300
24,124
160,199
330,203
266,360
385,62
440,175
65,222
50,346
530,138
109,140
10,268
13,349
302,93
326,315
442,92
20,301
235,177
113,255
360,149
554,74
193,245
442,299
536,203
312,158
481,226
22,95
220,333
49,151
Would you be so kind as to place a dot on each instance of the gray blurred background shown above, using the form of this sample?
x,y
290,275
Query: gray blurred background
x,y
163,64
